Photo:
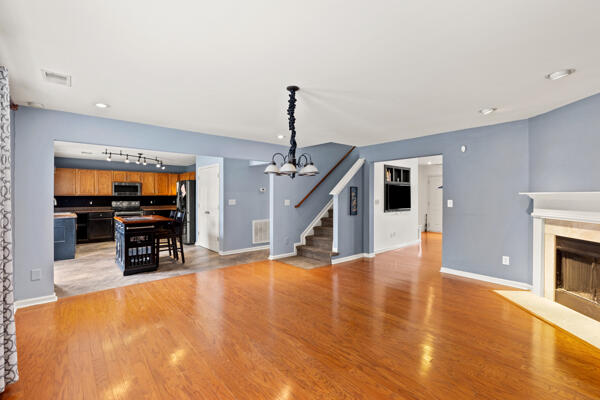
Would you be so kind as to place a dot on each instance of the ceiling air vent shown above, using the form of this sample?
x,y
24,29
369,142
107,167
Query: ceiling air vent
x,y
56,77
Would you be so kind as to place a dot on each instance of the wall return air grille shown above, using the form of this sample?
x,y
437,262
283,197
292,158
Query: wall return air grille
x,y
260,231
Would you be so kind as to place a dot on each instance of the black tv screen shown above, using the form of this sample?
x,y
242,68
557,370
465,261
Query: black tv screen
x,y
397,197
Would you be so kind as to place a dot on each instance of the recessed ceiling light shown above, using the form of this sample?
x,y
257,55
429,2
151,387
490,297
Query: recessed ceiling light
x,y
486,111
280,136
560,74
428,162
102,105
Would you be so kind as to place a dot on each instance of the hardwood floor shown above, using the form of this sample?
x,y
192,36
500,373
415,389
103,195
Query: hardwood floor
x,y
94,267
392,327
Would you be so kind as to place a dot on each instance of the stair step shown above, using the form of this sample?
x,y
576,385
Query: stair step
x,y
322,242
315,253
327,221
324,231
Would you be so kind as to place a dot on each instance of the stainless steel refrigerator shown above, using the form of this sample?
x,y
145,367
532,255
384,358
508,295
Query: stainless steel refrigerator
x,y
186,201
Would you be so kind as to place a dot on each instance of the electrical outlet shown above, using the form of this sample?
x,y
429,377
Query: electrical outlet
x,y
506,260
450,203
232,202
36,274
286,202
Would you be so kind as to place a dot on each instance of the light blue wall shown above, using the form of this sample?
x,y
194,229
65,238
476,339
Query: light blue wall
x,y
242,183
81,163
489,218
288,222
351,227
35,131
565,145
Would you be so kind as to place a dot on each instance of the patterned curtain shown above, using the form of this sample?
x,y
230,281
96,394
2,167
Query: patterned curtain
x,y
8,340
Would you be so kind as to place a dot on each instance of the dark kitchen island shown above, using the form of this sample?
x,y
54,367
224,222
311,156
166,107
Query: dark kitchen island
x,y
135,243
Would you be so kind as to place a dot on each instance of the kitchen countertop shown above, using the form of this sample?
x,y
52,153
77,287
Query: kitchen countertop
x,y
82,209
143,220
158,208
58,215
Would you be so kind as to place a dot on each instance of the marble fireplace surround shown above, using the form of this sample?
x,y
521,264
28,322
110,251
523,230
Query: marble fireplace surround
x,y
569,214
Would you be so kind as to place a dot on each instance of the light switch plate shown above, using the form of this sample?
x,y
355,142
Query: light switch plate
x,y
286,202
506,260
450,203
36,274
232,202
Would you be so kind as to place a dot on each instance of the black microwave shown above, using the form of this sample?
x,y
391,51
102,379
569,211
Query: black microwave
x,y
127,189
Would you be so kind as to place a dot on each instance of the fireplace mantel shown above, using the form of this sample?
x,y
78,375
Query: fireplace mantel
x,y
566,206
578,207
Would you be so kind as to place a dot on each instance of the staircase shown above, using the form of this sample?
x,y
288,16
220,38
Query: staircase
x,y
318,245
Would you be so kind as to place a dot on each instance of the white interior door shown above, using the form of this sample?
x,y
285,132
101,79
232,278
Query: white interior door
x,y
207,182
435,204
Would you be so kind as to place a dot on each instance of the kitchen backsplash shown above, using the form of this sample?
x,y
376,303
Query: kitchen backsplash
x,y
105,201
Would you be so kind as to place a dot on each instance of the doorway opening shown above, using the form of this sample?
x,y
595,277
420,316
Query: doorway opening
x,y
408,201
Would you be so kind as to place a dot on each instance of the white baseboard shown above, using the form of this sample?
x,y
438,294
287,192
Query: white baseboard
x,y
485,278
238,251
278,256
349,258
398,246
34,301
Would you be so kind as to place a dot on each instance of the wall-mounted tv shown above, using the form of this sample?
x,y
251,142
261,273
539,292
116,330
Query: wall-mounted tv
x,y
396,189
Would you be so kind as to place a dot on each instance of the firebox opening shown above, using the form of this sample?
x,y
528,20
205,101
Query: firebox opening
x,y
578,275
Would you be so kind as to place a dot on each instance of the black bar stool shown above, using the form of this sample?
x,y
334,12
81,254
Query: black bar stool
x,y
171,237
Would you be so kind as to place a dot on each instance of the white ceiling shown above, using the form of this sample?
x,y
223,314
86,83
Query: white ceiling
x,y
369,72
95,152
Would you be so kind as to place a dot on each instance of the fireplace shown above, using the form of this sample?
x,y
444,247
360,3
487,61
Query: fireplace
x,y
578,275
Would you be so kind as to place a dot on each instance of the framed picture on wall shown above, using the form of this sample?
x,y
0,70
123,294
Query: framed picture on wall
x,y
353,200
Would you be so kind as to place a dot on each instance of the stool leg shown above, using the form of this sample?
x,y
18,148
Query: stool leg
x,y
157,251
174,244
181,246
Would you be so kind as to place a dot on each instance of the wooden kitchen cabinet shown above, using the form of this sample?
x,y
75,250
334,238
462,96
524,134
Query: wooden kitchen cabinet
x,y
104,183
91,182
188,176
148,184
119,176
173,178
85,182
162,184
64,181
134,176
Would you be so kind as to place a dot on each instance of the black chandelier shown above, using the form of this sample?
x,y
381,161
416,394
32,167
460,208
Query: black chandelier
x,y
291,166
139,158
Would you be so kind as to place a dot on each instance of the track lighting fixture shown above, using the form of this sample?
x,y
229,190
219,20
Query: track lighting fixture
x,y
139,158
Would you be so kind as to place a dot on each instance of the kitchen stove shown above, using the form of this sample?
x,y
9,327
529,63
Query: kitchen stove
x,y
127,208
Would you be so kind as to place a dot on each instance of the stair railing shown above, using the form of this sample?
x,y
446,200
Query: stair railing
x,y
325,177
